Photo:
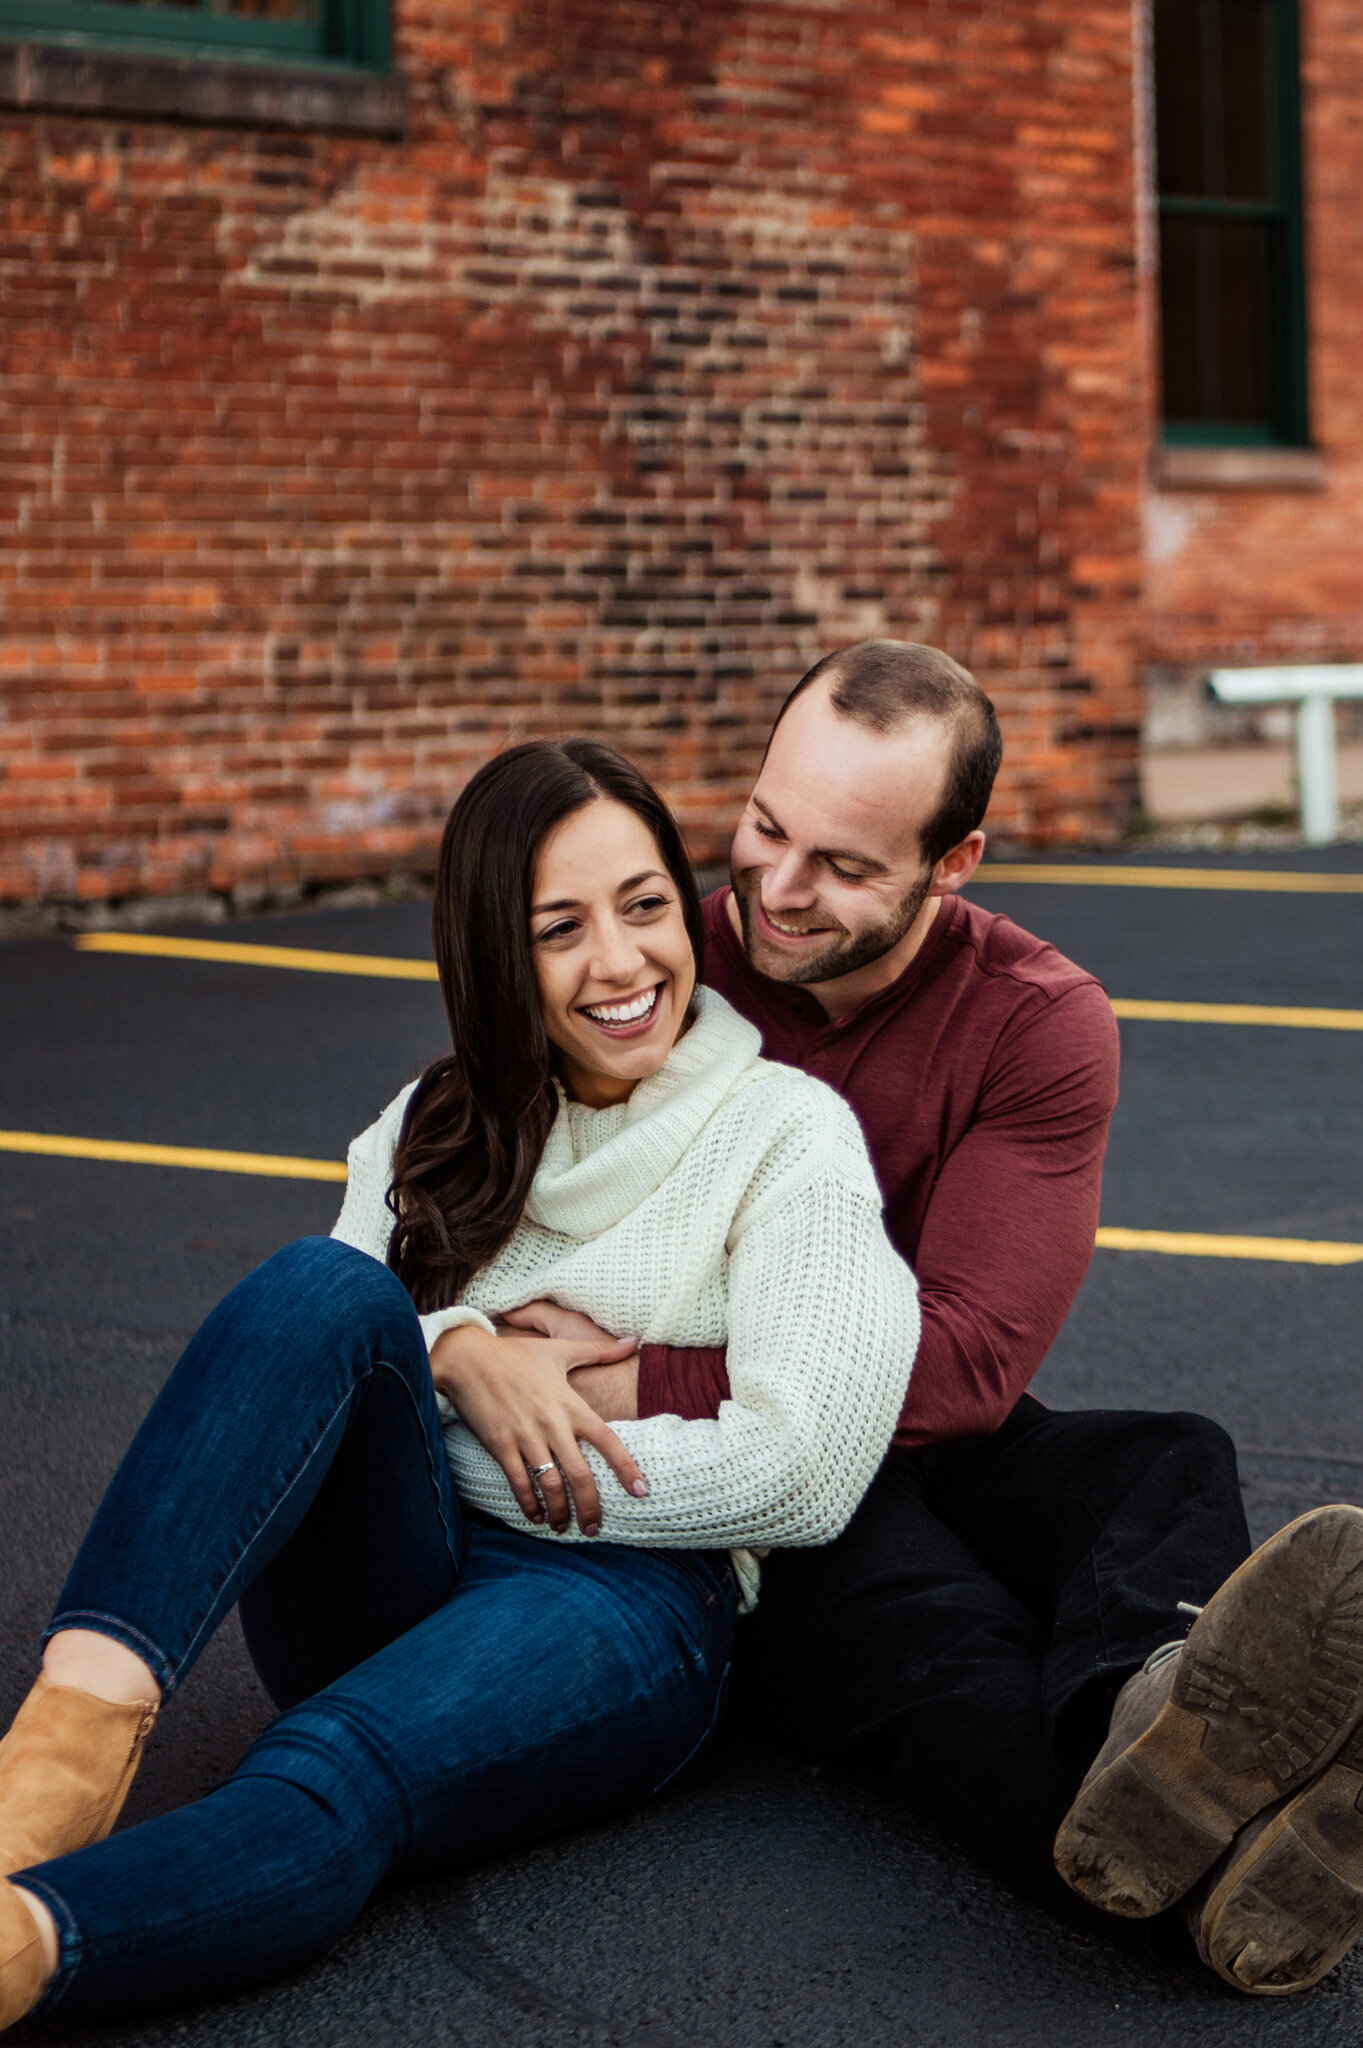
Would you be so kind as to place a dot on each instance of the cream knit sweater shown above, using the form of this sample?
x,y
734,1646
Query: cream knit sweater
x,y
730,1201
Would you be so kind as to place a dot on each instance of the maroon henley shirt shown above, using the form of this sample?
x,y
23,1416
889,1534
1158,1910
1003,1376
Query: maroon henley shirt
x,y
984,1078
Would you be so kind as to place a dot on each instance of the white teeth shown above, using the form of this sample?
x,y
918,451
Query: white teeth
x,y
622,1013
790,931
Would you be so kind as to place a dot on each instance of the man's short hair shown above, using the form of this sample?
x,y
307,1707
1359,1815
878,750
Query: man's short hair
x,y
882,683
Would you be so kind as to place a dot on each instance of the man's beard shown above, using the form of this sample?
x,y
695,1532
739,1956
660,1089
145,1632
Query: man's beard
x,y
843,953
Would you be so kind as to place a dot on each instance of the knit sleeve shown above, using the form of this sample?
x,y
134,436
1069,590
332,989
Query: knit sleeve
x,y
823,1325
366,1222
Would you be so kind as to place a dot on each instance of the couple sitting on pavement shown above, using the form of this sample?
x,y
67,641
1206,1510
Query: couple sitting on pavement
x,y
617,1322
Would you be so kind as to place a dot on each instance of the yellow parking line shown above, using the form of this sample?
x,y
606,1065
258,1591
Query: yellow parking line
x,y
269,1165
1196,1244
402,969
1238,1013
1297,1251
1171,878
389,967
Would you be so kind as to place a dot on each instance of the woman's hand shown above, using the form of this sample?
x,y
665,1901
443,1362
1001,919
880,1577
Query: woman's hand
x,y
609,1385
512,1391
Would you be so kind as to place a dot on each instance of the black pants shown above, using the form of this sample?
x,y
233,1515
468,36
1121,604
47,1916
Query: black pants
x,y
970,1629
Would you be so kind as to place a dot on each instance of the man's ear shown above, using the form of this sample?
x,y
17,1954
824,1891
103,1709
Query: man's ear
x,y
954,869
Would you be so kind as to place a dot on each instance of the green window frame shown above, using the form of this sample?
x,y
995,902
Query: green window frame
x,y
350,34
1227,76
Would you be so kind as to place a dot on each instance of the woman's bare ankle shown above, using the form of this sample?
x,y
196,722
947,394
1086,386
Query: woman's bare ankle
x,y
96,1664
47,1931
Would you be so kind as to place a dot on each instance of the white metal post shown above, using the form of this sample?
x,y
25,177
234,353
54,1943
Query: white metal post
x,y
1313,688
1318,784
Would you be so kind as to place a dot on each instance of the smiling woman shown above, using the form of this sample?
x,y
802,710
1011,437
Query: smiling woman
x,y
583,835
537,1168
460,1664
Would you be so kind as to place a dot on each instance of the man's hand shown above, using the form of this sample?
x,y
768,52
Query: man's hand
x,y
610,1389
513,1392
547,1319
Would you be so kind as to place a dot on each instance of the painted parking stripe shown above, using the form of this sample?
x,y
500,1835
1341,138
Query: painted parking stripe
x,y
1238,1013
1257,879
402,969
1298,1251
267,1165
1196,1244
300,958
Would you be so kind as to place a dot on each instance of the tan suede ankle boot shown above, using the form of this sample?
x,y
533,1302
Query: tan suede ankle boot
x,y
65,1769
24,1973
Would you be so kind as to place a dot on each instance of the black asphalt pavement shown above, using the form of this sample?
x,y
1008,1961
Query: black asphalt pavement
x,y
760,1905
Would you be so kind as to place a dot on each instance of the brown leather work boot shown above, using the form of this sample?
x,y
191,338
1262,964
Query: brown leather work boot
x,y
65,1769
1264,1694
1286,1905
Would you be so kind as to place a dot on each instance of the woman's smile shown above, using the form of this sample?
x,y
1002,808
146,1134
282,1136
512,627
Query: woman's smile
x,y
625,1016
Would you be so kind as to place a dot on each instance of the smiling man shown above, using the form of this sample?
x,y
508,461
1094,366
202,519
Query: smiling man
x,y
846,920
1015,1589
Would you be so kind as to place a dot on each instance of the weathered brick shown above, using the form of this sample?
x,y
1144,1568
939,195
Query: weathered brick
x,y
671,348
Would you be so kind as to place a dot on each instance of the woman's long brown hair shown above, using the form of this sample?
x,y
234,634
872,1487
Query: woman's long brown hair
x,y
476,1126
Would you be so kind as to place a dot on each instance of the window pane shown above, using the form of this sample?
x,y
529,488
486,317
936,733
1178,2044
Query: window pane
x,y
1246,98
1214,291
1178,96
146,6
351,31
267,10
1213,98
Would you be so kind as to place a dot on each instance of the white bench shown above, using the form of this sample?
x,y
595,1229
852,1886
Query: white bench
x,y
1313,691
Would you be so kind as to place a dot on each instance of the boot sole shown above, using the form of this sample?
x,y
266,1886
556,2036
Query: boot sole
x,y
1291,1907
1269,1688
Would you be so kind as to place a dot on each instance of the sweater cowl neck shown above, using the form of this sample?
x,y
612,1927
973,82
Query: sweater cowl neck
x,y
599,1164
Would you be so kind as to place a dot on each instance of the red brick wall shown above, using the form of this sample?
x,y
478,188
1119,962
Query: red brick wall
x,y
1273,575
674,346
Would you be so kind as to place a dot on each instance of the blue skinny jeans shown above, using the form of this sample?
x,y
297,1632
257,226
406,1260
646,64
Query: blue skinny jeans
x,y
449,1688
